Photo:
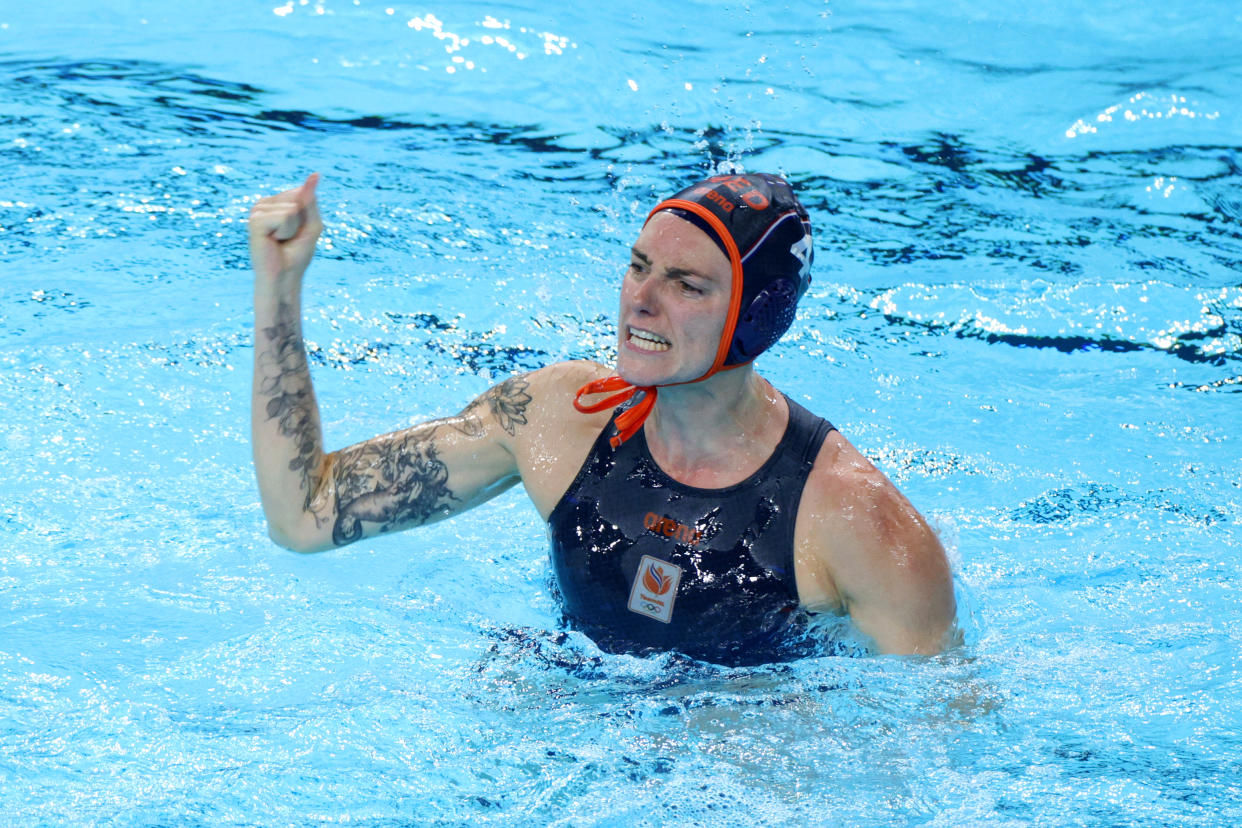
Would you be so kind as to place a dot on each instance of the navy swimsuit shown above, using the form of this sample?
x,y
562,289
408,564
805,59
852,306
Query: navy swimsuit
x,y
644,563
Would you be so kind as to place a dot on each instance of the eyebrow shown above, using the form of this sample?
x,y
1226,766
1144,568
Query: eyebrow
x,y
672,272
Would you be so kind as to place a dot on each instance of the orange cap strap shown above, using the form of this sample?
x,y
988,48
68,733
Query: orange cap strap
x,y
628,421
632,419
603,386
735,266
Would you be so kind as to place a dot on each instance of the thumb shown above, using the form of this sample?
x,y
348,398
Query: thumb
x,y
309,202
306,193
307,209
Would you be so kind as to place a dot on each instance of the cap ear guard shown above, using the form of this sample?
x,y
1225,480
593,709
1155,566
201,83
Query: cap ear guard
x,y
759,327
783,255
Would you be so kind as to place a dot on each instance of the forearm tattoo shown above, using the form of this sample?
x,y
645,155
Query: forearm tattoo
x,y
290,400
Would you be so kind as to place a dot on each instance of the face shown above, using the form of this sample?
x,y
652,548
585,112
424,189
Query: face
x,y
674,299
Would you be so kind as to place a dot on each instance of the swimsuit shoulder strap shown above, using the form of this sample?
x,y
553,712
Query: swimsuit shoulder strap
x,y
805,434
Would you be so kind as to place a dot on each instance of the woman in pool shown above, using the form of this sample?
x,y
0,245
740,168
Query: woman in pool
x,y
693,507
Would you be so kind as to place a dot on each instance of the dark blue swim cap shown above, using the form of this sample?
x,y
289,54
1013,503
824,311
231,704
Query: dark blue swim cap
x,y
765,233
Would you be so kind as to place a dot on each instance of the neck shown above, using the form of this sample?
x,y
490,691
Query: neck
x,y
723,423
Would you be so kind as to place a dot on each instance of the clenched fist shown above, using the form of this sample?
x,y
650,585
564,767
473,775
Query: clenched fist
x,y
283,232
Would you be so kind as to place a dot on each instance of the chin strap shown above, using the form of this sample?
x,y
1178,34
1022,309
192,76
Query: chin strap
x,y
628,421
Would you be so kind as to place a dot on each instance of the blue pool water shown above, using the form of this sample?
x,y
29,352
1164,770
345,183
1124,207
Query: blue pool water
x,y
1026,309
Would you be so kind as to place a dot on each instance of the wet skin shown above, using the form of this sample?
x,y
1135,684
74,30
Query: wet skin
x,y
674,298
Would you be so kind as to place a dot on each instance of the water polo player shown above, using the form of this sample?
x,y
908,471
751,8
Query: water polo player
x,y
691,506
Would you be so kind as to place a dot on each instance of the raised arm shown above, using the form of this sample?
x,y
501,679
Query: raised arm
x,y
314,500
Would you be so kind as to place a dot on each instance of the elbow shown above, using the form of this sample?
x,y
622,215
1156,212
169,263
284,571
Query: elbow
x,y
293,541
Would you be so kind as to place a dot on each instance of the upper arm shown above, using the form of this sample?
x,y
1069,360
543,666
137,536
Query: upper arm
x,y
900,590
524,427
417,475
873,555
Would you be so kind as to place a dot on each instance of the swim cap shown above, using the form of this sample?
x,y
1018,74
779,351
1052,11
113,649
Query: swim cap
x,y
764,231
766,234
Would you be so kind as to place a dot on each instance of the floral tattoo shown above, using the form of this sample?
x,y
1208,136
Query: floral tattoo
x,y
391,481
291,400
507,403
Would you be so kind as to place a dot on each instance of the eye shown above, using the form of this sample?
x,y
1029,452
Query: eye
x,y
686,287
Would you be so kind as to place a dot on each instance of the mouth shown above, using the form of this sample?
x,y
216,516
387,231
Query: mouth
x,y
646,340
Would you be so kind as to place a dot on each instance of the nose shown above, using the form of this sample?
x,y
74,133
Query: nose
x,y
641,293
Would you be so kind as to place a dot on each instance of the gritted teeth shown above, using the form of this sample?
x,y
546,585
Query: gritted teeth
x,y
647,340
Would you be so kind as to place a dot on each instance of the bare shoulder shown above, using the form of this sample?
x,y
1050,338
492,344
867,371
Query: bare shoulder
x,y
563,379
526,402
853,496
548,395
863,548
549,439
